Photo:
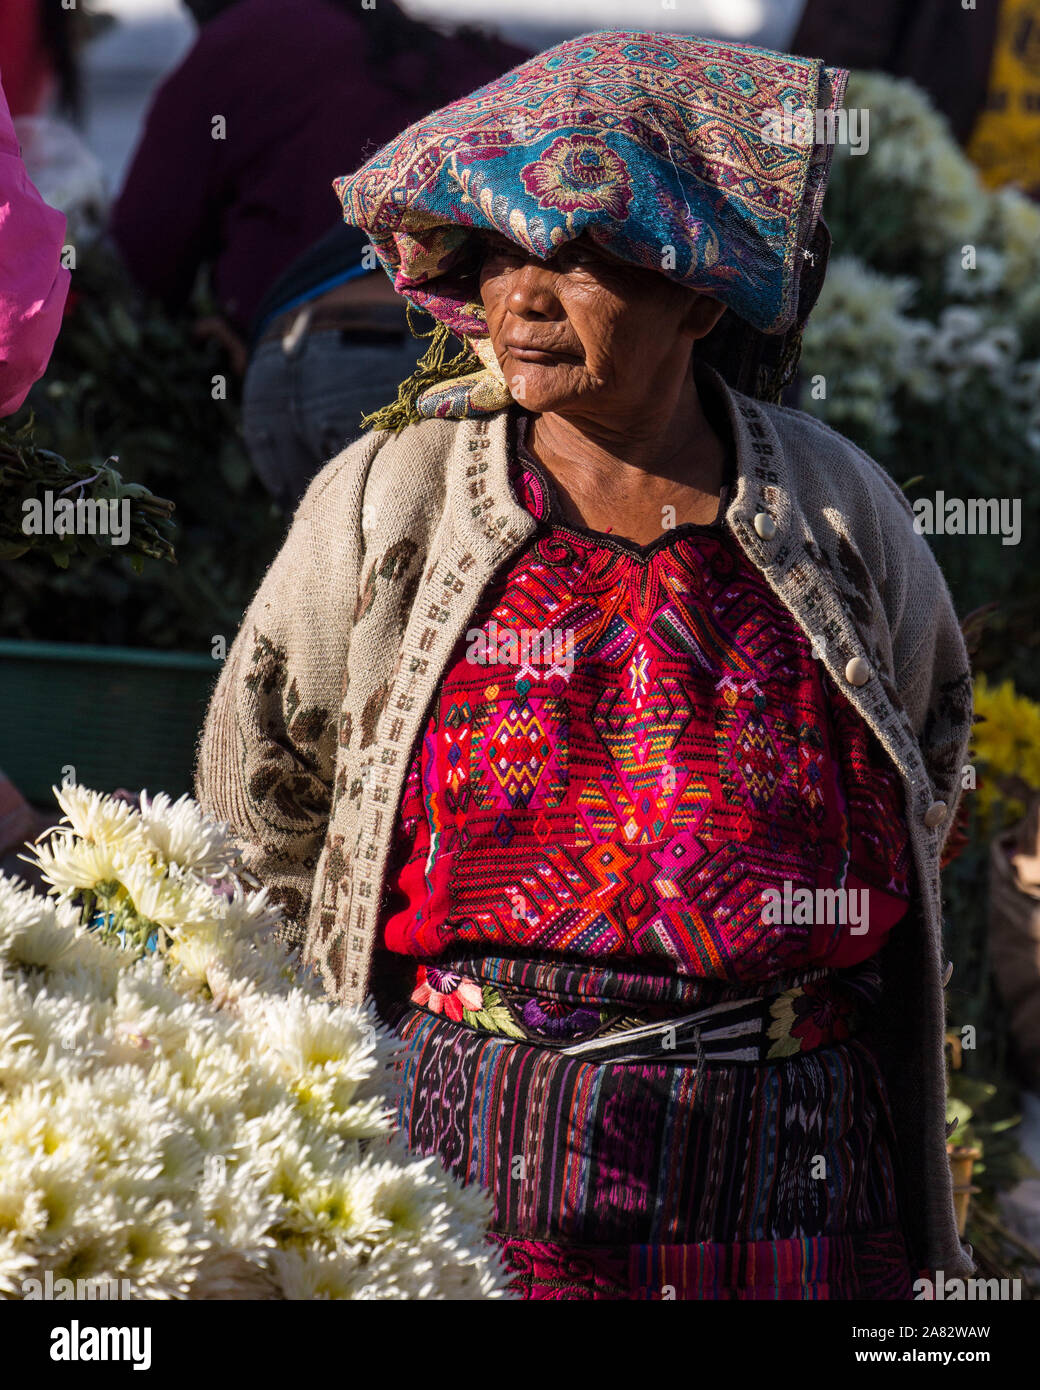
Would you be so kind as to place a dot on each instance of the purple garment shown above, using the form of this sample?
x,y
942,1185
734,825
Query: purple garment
x,y
33,282
302,106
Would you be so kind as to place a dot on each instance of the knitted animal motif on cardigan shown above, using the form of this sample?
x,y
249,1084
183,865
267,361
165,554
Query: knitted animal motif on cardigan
x,y
330,679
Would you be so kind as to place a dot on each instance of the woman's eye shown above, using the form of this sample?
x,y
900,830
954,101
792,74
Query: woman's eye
x,y
578,255
500,250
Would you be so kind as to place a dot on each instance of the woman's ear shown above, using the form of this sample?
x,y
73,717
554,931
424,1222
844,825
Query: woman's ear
x,y
702,314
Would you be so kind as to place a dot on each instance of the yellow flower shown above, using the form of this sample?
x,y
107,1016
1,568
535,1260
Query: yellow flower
x,y
1006,745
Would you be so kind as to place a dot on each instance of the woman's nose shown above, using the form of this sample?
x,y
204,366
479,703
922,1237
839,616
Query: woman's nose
x,y
531,294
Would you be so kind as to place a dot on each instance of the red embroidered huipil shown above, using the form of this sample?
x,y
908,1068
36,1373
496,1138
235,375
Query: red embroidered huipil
x,y
634,754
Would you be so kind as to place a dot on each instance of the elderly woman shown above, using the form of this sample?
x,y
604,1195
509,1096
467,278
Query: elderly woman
x,y
604,720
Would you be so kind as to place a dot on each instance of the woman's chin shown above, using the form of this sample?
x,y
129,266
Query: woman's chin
x,y
542,388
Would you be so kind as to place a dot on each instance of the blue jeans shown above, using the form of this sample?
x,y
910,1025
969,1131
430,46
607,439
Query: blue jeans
x,y
302,406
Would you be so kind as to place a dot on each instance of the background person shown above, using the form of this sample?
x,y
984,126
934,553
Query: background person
x,y
330,344
242,141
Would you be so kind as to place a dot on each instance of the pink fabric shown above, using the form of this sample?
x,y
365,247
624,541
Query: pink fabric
x,y
33,283
25,65
17,818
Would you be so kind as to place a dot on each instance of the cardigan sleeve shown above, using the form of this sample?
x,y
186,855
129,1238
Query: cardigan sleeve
x,y
932,672
930,667
266,756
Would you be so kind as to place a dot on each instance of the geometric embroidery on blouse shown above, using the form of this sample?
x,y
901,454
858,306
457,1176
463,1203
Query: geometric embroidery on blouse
x,y
631,783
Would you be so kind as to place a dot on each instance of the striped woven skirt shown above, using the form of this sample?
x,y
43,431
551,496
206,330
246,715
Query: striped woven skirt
x,y
648,1137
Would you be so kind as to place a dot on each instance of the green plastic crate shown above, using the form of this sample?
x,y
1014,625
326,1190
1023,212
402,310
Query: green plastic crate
x,y
120,716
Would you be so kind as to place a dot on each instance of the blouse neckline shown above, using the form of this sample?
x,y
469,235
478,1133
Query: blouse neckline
x,y
524,458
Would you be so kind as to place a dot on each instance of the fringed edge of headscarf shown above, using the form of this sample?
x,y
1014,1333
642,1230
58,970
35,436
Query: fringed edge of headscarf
x,y
772,389
432,368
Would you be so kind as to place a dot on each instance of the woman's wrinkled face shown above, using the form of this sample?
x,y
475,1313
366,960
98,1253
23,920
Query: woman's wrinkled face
x,y
584,332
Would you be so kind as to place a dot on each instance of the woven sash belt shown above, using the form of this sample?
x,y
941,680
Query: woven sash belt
x,y
596,1014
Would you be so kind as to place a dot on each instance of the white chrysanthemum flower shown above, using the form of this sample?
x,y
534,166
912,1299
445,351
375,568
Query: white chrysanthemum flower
x,y
340,1207
70,865
183,834
62,1031
96,817
32,931
16,1265
155,895
915,167
237,1203
1014,226
194,1121
251,917
960,323
861,341
197,952
22,1208
159,1248
288,1152
305,1274
330,1054
990,354
978,281
88,970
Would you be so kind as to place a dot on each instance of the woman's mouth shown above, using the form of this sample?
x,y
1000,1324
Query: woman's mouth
x,y
544,356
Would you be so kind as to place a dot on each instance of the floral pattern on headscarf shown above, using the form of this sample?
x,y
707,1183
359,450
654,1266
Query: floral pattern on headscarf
x,y
663,149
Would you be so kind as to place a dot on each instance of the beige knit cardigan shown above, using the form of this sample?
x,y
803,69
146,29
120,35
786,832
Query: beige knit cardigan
x,y
331,677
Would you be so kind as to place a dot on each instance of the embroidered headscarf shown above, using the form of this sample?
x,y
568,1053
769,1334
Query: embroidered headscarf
x,y
687,156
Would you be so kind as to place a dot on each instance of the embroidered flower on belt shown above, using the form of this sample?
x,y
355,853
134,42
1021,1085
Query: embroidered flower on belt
x,y
443,991
809,1016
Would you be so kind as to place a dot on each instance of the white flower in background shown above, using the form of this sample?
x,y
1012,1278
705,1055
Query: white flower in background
x,y
1026,382
862,342
33,931
996,352
915,166
981,281
191,1115
1013,224
963,347
959,323
876,358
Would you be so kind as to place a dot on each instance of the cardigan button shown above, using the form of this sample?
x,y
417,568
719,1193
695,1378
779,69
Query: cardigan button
x,y
857,672
765,526
935,815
